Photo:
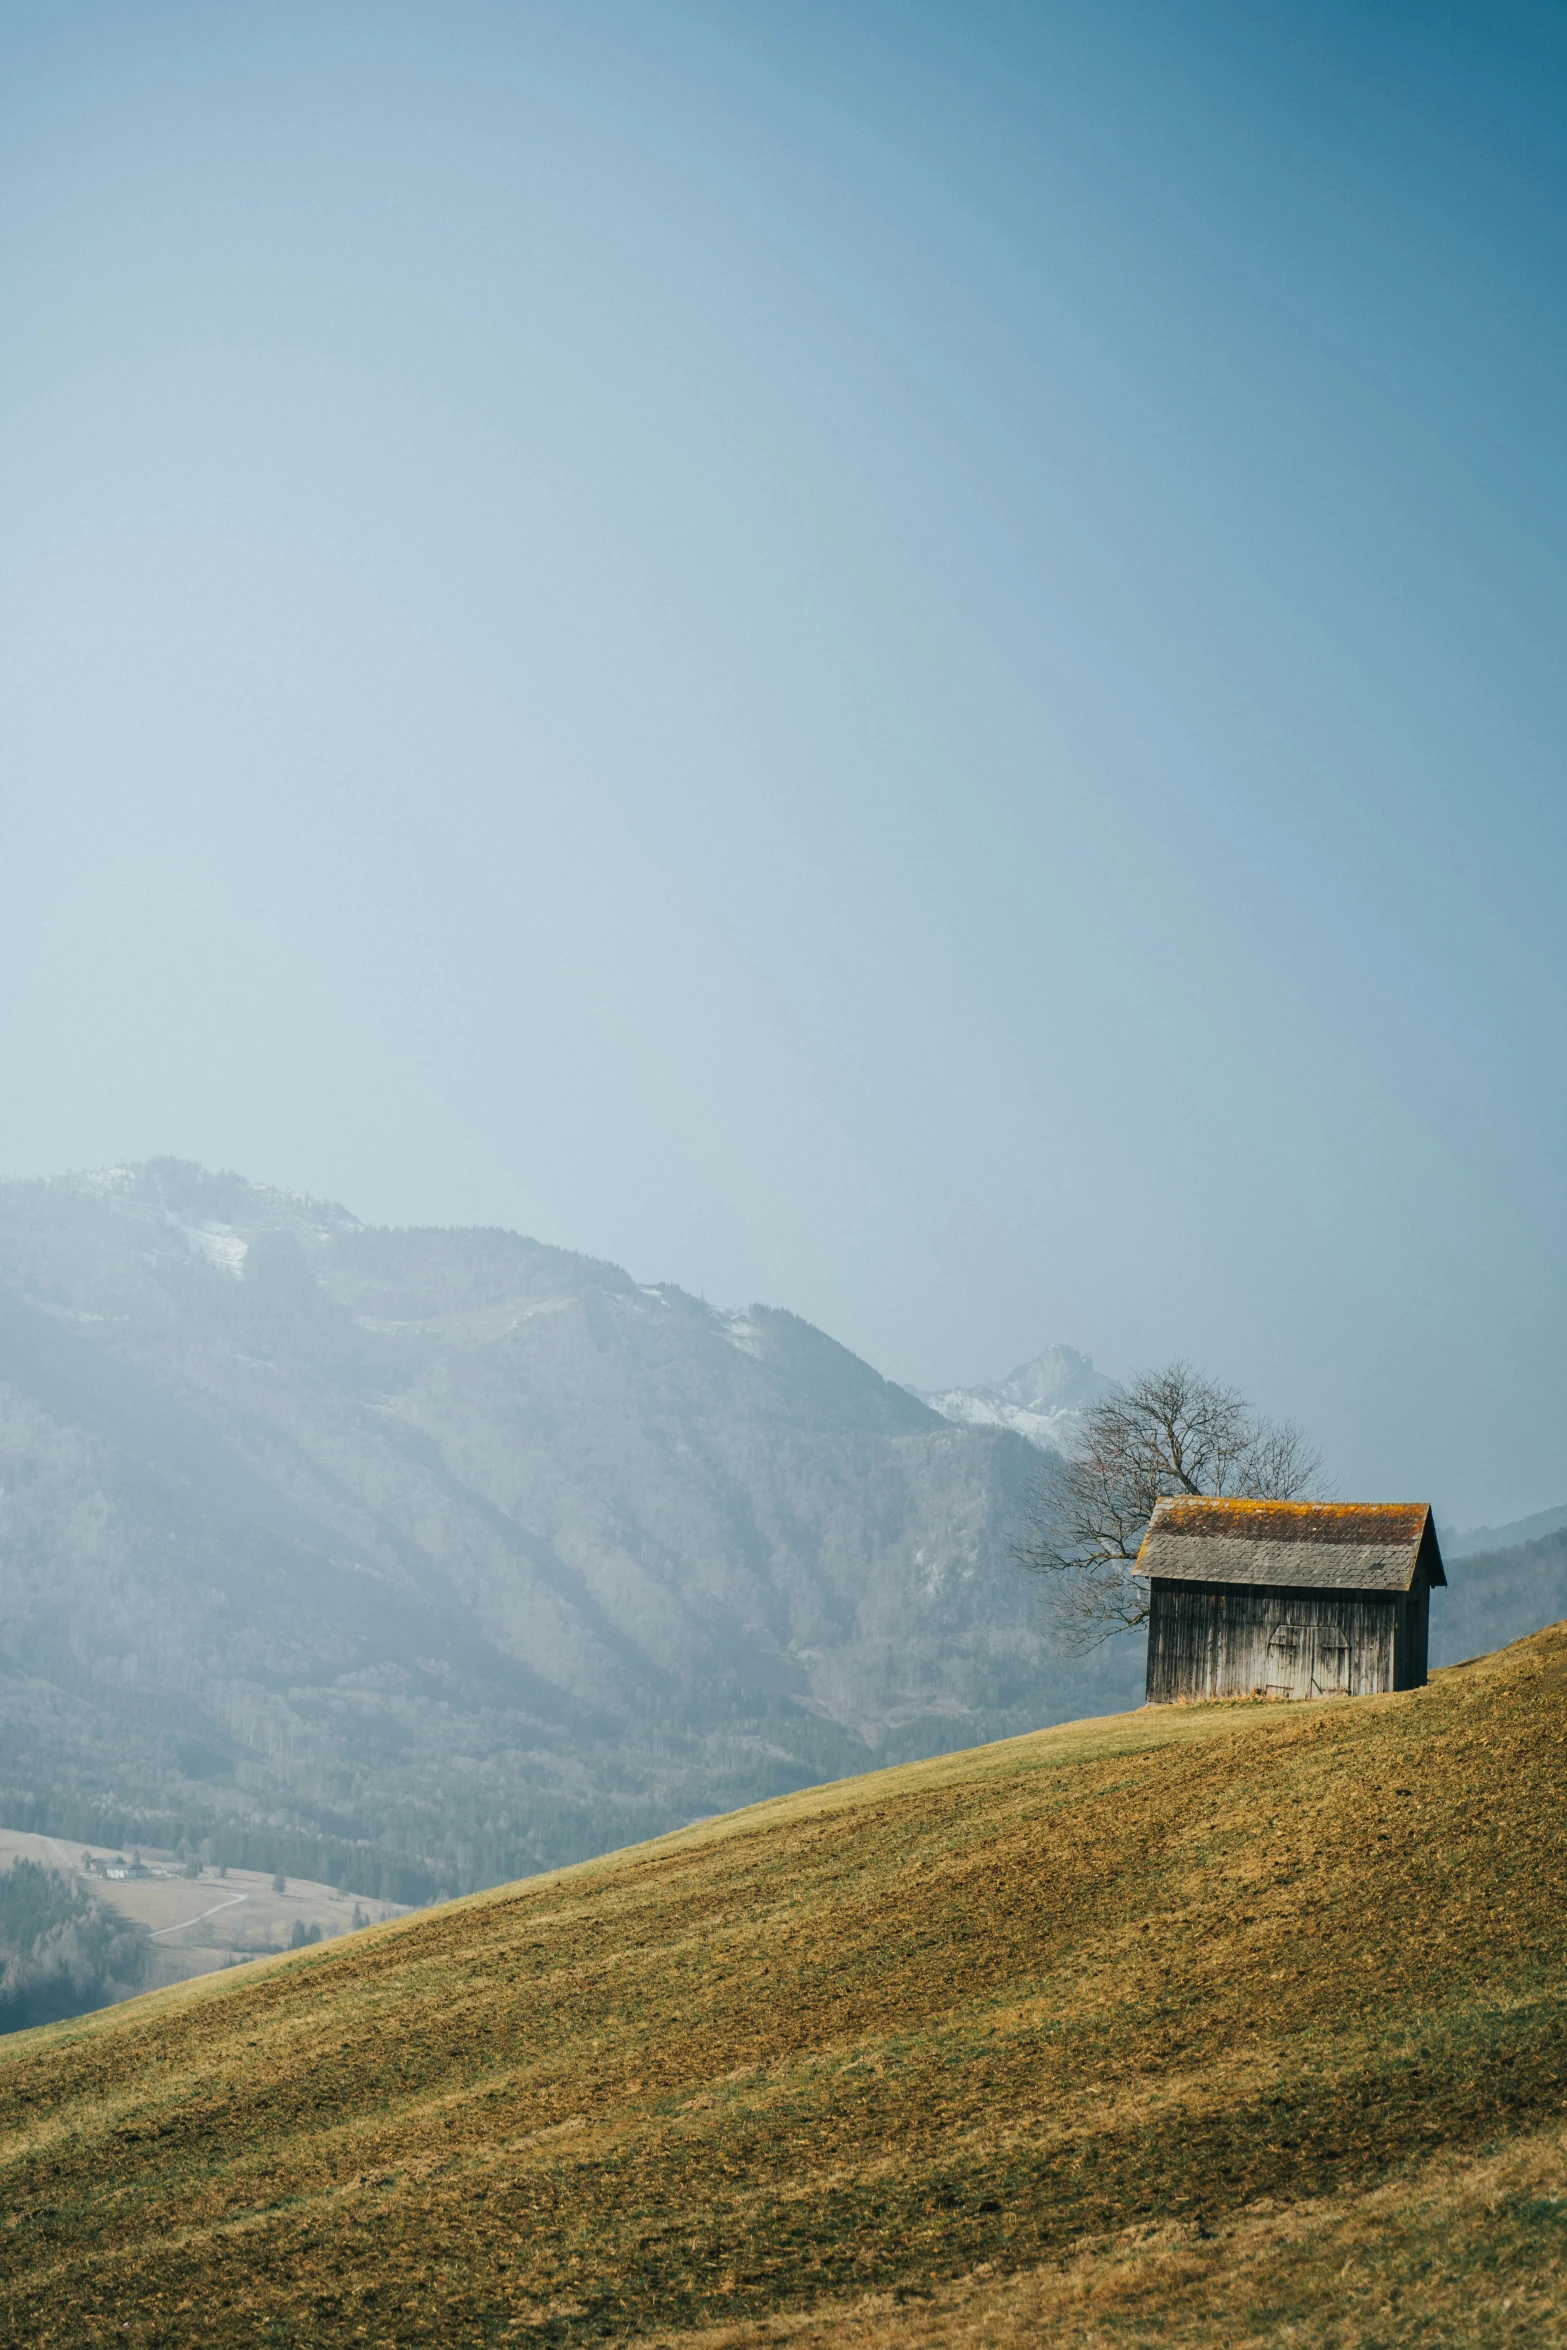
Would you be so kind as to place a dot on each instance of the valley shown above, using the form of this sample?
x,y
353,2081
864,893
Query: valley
x,y
199,1924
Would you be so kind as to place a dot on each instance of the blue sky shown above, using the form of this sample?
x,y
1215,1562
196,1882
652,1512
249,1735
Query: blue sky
x,y
905,661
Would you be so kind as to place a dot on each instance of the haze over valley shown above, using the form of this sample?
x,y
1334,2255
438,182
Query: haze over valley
x,y
412,1561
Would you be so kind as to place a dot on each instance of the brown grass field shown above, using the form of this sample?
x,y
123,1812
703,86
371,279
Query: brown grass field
x,y
1214,2025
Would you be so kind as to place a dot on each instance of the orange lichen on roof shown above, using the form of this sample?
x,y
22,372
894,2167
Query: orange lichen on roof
x,y
1402,1522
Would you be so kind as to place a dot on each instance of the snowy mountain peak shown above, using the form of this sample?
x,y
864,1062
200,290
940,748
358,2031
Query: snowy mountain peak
x,y
1043,1400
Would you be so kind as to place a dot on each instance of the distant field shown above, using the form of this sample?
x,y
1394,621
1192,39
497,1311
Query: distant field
x,y
206,1922
1213,2025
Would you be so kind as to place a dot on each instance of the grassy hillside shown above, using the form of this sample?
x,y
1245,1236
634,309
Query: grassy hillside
x,y
1190,2026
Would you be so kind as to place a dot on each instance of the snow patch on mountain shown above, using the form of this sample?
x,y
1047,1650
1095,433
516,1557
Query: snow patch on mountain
x,y
220,1245
214,1216
738,1325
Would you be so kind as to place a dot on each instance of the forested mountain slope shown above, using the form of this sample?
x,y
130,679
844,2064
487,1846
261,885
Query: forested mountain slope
x,y
1211,2024
411,1560
1497,1595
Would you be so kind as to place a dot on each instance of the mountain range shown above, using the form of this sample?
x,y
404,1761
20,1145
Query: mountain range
x,y
413,1560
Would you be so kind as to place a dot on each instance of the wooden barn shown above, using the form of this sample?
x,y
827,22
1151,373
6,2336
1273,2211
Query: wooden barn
x,y
1287,1598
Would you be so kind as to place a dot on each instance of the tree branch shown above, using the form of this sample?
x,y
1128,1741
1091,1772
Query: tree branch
x,y
1167,1432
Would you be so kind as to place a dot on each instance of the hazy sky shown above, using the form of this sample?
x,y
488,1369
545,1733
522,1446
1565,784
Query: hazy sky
x,y
906,660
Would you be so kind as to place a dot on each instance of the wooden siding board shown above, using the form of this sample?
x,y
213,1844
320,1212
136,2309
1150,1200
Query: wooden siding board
x,y
1417,1663
1243,1640
1412,1644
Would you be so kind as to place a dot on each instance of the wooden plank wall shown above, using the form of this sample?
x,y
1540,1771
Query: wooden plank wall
x,y
1413,1637
1243,1640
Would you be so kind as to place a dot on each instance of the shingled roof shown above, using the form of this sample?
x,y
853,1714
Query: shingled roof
x,y
1324,1546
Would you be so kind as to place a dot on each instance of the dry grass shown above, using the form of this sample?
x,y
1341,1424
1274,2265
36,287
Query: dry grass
x,y
1458,2252
1213,2025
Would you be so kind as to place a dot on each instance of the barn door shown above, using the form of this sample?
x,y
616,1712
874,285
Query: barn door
x,y
1330,1663
1290,1658
1308,1660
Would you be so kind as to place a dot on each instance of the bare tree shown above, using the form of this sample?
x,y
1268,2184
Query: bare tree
x,y
1166,1432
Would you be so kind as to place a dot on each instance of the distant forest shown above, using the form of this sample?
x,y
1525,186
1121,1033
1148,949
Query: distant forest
x,y
61,1951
